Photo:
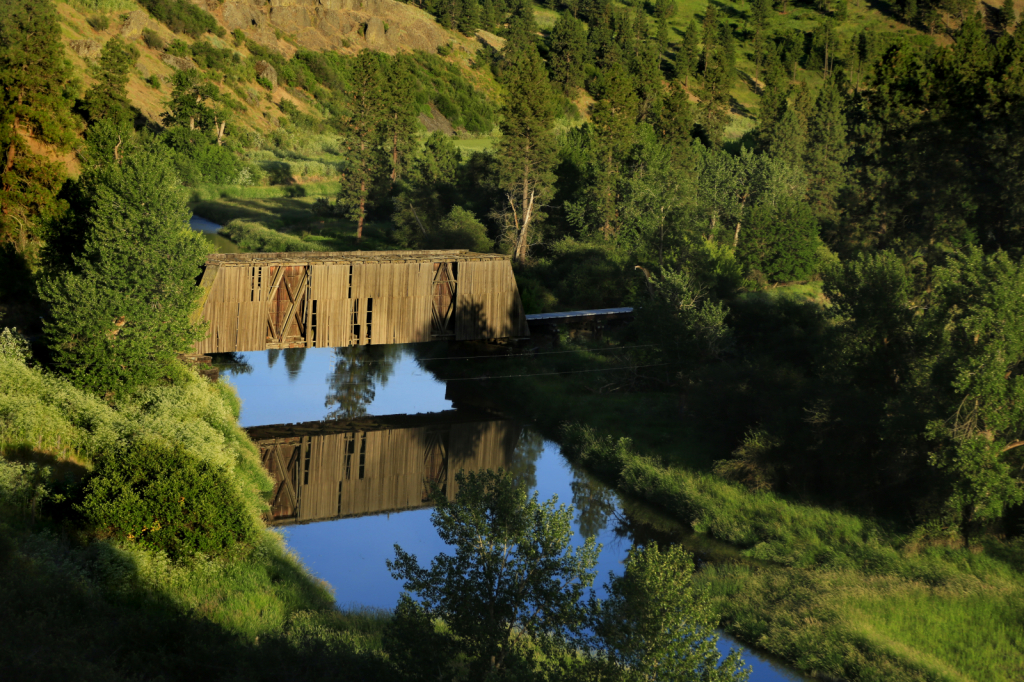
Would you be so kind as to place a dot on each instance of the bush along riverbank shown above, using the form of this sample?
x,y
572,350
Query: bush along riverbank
x,y
839,595
131,544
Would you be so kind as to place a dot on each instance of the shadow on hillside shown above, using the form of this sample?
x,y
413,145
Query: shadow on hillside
x,y
70,613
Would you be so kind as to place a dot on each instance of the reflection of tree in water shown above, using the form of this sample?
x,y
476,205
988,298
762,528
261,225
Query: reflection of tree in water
x,y
357,372
595,502
293,359
522,462
231,363
272,356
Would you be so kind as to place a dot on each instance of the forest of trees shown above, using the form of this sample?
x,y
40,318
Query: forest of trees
x,y
885,165
883,172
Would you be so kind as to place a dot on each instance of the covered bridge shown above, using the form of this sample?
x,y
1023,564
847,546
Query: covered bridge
x,y
377,465
256,301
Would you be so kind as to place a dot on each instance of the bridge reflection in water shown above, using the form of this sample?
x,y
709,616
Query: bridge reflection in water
x,y
377,465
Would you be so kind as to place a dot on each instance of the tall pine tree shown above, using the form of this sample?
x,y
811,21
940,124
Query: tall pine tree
x,y
36,95
397,128
361,132
108,98
568,55
827,150
526,149
121,314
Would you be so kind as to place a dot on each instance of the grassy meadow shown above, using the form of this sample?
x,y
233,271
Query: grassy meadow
x,y
74,606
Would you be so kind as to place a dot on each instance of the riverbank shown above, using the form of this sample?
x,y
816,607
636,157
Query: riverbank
x,y
284,218
78,602
834,594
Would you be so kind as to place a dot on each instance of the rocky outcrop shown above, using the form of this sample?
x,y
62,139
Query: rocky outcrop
x,y
267,71
86,49
134,22
179,63
383,25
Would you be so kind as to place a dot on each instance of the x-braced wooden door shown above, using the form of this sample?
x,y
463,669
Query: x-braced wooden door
x,y
443,301
290,307
435,463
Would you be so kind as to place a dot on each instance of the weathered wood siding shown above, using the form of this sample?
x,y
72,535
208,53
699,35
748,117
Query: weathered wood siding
x,y
259,301
354,473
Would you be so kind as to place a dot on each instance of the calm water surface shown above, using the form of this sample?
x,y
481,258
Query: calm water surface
x,y
345,524
209,230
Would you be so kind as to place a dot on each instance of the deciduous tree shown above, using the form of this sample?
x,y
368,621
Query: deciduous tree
x,y
658,626
513,586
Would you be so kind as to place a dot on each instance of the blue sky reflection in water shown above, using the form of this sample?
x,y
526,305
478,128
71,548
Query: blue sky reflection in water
x,y
312,384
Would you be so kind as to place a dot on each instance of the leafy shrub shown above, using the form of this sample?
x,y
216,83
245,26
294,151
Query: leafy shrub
x,y
444,50
209,57
162,496
153,39
23,489
100,22
460,229
182,16
179,48
198,160
13,346
154,82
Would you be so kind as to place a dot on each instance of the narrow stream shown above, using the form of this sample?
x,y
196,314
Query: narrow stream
x,y
209,230
352,434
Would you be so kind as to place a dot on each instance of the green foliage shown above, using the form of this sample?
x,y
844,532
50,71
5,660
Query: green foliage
x,y
589,274
514,587
199,160
14,346
163,497
525,151
1007,15
153,39
188,105
119,317
781,240
681,317
108,98
256,237
24,490
656,624
36,94
100,22
182,16
361,129
430,187
977,318
567,59
459,230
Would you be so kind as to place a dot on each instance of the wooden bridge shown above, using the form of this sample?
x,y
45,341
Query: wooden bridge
x,y
376,465
256,301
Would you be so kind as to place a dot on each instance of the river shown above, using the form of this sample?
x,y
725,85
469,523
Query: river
x,y
209,230
376,423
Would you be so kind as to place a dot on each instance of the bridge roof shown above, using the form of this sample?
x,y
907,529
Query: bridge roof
x,y
448,255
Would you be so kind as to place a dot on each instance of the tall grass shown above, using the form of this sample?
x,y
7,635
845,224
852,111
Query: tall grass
x,y
252,236
313,189
835,593
103,5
